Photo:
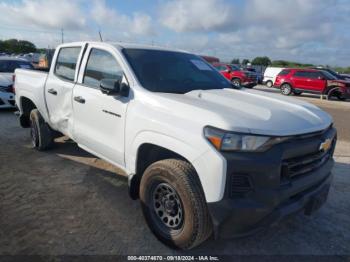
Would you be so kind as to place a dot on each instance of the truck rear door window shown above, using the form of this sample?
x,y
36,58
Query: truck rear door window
x,y
101,65
67,62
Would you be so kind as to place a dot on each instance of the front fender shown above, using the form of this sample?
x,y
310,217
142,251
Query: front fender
x,y
209,164
162,140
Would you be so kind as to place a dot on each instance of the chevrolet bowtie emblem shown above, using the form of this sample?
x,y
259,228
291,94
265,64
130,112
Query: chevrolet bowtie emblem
x,y
324,146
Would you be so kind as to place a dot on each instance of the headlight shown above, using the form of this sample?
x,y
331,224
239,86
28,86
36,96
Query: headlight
x,y
231,141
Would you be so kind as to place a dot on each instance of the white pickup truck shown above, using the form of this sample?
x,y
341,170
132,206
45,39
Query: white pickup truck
x,y
202,156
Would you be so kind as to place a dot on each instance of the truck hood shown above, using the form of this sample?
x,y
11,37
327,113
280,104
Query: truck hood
x,y
252,111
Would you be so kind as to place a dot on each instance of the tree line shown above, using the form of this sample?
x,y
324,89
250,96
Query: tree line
x,y
15,46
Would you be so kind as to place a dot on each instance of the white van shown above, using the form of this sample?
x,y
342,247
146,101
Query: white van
x,y
270,75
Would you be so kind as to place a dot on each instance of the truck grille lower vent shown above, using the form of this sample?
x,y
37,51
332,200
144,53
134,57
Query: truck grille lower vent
x,y
240,184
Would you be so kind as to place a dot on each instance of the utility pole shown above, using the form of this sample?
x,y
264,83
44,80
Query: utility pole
x,y
62,39
99,32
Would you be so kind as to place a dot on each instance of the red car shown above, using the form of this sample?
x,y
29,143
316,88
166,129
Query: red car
x,y
314,81
237,76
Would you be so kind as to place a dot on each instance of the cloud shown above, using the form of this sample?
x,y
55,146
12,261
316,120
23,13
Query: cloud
x,y
197,15
302,30
48,14
307,31
111,20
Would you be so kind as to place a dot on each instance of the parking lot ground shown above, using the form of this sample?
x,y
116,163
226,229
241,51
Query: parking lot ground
x,y
67,202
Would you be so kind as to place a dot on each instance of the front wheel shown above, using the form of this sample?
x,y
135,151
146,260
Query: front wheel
x,y
174,205
286,89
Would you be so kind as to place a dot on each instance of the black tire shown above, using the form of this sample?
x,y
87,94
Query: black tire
x,y
336,93
41,133
236,82
297,93
180,180
269,84
286,89
341,96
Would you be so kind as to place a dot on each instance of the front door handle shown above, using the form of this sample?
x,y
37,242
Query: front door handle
x,y
52,91
79,99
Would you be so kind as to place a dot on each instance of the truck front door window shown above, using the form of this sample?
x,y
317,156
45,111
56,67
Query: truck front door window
x,y
67,62
101,65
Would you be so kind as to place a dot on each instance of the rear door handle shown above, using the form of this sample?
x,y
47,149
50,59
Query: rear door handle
x,y
52,91
79,99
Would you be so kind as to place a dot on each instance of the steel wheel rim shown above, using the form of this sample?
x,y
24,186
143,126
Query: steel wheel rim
x,y
286,90
167,206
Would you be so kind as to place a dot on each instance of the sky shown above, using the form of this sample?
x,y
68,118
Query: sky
x,y
309,31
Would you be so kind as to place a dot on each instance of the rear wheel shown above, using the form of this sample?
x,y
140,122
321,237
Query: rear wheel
x,y
286,89
174,205
40,132
269,84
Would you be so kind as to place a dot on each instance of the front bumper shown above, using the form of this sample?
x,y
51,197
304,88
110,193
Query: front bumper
x,y
261,188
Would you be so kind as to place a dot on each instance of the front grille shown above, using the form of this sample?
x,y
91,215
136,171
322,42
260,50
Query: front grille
x,y
240,184
295,167
1,102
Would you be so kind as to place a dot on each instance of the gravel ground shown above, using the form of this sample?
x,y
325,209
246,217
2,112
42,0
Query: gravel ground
x,y
67,202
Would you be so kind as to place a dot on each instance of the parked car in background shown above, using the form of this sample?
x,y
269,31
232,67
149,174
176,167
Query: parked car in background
x,y
7,99
270,75
237,76
8,65
312,81
258,74
335,74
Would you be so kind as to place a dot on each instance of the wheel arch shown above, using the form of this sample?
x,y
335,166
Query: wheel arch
x,y
236,77
331,89
288,83
26,106
151,146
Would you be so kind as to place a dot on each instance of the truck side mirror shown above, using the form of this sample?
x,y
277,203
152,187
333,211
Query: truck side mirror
x,y
321,78
113,87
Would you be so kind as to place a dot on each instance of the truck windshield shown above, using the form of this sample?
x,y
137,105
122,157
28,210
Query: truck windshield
x,y
173,72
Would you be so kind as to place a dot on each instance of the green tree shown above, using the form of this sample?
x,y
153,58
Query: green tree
x,y
245,61
261,60
17,46
235,61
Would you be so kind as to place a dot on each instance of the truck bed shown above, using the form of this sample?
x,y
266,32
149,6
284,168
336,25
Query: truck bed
x,y
31,84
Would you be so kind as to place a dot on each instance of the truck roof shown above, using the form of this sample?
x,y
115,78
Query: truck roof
x,y
121,45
